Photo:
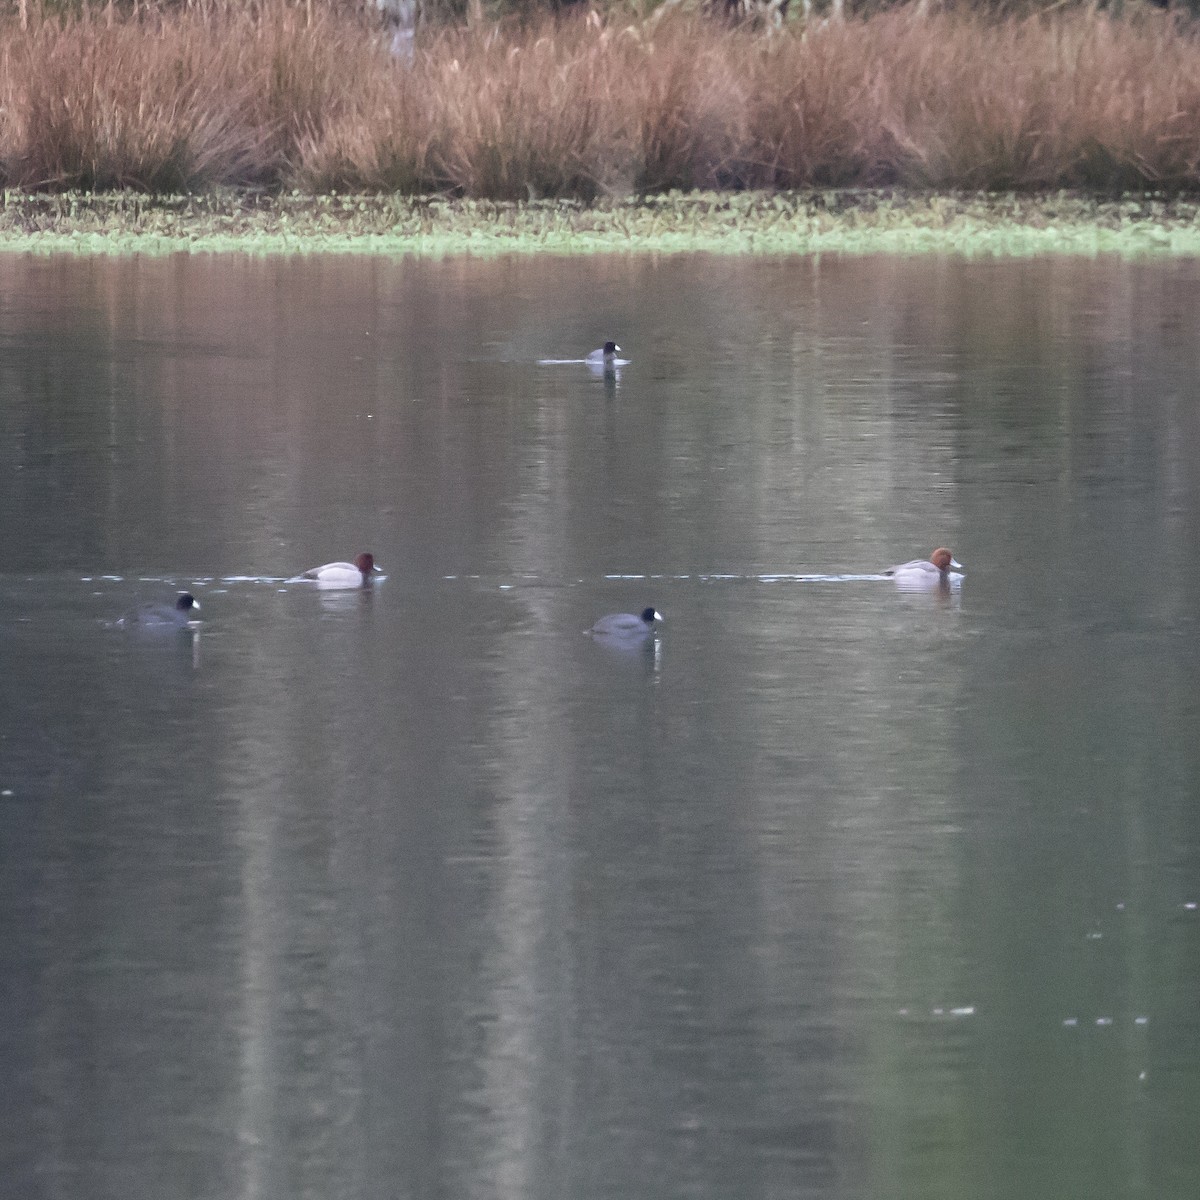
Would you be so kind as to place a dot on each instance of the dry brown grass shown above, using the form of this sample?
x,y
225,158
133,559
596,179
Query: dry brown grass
x,y
1081,102
222,93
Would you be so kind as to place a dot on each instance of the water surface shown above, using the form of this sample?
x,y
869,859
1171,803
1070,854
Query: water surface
x,y
829,891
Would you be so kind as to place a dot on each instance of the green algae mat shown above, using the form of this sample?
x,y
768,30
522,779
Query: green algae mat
x,y
834,222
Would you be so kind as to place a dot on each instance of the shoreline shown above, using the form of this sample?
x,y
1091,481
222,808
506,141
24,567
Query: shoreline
x,y
855,222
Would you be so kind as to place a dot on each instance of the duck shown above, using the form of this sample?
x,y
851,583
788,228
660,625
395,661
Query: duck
x,y
629,626
341,574
606,356
925,574
173,616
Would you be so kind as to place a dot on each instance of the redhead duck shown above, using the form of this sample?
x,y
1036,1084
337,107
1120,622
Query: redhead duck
x,y
165,616
921,574
606,355
341,574
626,625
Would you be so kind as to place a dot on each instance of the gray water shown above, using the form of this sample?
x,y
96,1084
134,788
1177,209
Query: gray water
x,y
828,891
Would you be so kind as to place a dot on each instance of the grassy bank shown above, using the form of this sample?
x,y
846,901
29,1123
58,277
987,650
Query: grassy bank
x,y
282,95
854,222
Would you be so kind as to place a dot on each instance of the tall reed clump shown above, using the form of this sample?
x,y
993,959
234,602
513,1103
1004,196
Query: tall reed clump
x,y
96,107
174,99
284,94
481,114
1081,101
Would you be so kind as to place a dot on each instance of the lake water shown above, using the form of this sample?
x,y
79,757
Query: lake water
x,y
829,891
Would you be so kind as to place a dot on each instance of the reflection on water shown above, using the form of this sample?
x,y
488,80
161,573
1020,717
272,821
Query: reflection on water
x,y
828,889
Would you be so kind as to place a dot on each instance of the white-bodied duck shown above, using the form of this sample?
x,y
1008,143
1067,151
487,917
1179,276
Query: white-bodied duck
x,y
921,573
358,573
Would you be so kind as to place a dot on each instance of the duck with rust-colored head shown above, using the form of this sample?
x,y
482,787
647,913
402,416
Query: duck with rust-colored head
x,y
922,573
358,573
